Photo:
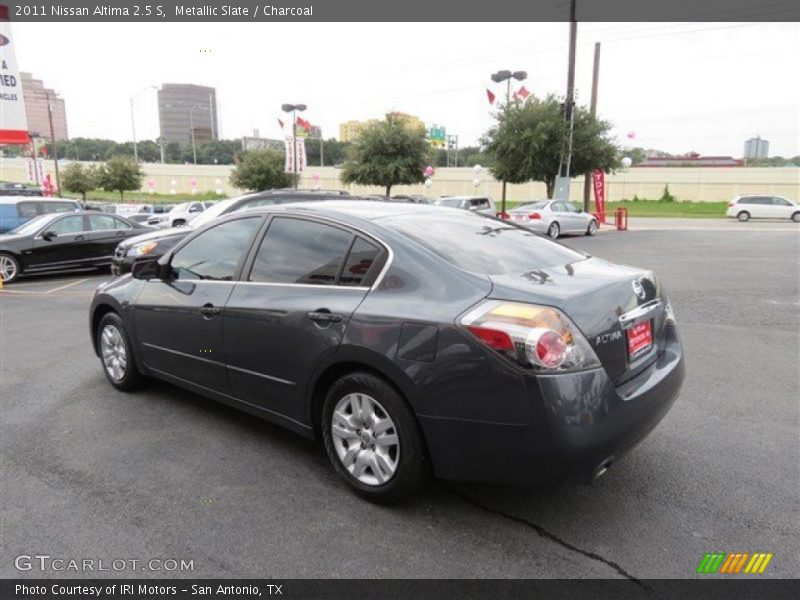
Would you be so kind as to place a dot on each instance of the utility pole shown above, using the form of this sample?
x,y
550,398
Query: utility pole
x,y
587,181
53,142
569,108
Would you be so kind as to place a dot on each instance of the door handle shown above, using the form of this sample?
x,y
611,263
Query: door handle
x,y
209,310
79,237
120,232
324,316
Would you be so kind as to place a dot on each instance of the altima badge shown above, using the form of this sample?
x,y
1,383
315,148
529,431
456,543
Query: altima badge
x,y
638,289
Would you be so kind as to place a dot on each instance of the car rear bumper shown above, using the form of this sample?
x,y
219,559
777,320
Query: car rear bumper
x,y
581,425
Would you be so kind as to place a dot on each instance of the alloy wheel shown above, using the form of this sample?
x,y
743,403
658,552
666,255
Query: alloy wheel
x,y
553,230
112,348
8,268
365,439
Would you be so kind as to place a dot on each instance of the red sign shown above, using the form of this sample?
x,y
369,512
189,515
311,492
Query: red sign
x,y
599,184
640,339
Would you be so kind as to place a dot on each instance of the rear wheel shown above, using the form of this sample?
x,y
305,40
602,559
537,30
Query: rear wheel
x,y
743,216
116,353
796,217
554,230
9,267
372,438
179,223
592,229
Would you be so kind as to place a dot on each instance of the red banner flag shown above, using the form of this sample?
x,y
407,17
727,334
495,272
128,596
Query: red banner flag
x,y
490,96
599,184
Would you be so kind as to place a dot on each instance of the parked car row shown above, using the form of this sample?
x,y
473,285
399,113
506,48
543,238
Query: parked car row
x,y
409,338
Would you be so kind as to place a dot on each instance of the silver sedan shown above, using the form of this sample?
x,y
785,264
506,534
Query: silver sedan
x,y
553,217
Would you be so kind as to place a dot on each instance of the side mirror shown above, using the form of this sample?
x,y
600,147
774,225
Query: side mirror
x,y
49,235
149,269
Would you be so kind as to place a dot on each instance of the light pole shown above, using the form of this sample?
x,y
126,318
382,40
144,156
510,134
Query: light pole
x,y
133,119
507,76
293,108
53,142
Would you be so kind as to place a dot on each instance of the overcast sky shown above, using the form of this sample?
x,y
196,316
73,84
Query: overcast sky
x,y
679,86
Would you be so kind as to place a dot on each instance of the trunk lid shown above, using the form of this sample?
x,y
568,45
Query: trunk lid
x,y
609,303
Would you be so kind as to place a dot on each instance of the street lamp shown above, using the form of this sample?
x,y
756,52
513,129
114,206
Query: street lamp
x,y
507,76
133,120
293,108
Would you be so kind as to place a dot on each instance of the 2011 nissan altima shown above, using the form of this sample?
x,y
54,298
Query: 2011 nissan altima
x,y
408,337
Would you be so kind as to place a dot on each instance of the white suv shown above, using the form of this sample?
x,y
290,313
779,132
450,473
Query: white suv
x,y
745,208
180,215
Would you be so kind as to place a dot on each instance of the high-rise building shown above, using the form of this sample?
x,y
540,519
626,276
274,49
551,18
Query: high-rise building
x,y
185,108
36,96
756,148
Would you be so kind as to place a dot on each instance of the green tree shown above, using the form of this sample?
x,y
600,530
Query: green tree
x,y
526,143
79,179
261,170
120,174
388,153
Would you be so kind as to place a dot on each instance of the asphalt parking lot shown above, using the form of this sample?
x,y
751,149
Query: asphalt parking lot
x,y
89,472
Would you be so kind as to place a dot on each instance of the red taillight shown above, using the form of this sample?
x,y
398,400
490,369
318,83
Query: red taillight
x,y
534,216
550,348
503,215
499,340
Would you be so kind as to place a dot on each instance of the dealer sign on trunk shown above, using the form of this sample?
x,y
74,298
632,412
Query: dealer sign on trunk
x,y
13,124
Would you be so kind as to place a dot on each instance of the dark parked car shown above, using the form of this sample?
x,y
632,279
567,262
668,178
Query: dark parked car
x,y
62,241
404,335
151,245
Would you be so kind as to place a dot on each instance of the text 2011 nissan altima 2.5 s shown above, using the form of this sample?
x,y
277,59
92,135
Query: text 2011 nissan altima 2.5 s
x,y
407,337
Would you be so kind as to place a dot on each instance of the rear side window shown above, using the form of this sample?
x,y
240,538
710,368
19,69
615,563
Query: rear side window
x,y
57,207
482,245
362,264
755,200
101,222
215,254
27,210
300,251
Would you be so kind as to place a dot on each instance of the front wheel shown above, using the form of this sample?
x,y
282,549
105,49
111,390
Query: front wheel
x,y
372,438
9,268
743,216
592,229
554,230
796,217
116,353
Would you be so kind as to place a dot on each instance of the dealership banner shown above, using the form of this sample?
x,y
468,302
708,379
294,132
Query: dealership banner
x,y
599,184
13,123
297,149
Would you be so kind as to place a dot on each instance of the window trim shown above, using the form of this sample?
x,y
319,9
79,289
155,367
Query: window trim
x,y
352,229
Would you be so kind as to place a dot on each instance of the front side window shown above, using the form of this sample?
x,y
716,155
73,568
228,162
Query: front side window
x,y
121,224
300,251
67,225
780,202
216,253
570,207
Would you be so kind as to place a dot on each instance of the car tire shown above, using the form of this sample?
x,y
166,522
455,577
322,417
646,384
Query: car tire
x,y
592,229
116,353
178,223
554,230
361,453
743,216
796,217
9,267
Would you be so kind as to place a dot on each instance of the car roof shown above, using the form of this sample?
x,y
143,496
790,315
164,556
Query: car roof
x,y
369,211
14,198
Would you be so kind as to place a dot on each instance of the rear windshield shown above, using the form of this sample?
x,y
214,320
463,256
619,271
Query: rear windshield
x,y
482,245
452,202
532,205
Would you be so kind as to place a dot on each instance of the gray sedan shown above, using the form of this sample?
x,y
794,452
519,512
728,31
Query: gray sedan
x,y
553,217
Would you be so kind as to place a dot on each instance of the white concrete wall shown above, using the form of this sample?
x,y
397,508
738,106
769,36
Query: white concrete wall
x,y
696,184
